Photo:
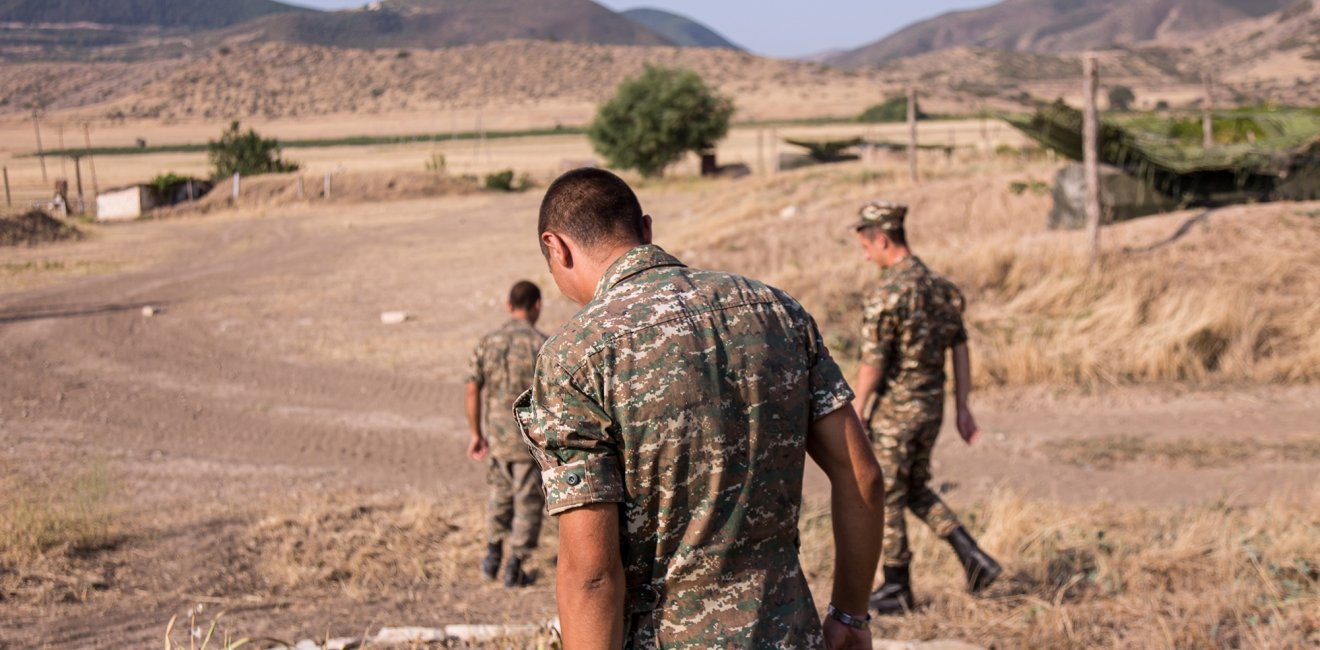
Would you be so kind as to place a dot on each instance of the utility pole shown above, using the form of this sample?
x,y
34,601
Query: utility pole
x,y
1207,120
41,151
912,133
1091,154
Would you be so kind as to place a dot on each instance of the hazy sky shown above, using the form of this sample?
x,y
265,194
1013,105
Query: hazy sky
x,y
781,27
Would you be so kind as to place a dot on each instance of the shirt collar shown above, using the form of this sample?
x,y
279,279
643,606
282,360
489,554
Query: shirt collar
x,y
908,262
637,260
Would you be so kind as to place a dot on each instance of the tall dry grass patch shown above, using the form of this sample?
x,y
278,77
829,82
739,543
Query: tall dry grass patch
x,y
1231,299
1213,576
58,518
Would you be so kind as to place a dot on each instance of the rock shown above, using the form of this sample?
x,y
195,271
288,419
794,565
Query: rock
x,y
409,635
788,212
890,644
393,317
491,632
148,312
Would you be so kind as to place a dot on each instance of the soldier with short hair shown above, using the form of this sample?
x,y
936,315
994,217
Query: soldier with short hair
x,y
500,369
672,418
911,319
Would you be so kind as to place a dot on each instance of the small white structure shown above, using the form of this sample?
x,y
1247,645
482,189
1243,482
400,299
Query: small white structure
x,y
125,203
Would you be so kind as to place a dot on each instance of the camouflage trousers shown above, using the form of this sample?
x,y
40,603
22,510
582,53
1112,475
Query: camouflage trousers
x,y
515,506
904,455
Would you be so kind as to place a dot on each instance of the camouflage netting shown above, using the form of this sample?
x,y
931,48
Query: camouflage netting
x,y
1272,154
34,227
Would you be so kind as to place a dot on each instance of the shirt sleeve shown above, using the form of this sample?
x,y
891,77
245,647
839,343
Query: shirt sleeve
x,y
568,433
829,390
476,374
880,332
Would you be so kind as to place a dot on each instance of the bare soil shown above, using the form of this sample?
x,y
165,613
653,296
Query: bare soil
x,y
263,402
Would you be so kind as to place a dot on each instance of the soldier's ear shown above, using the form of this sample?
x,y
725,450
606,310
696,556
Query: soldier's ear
x,y
646,229
557,249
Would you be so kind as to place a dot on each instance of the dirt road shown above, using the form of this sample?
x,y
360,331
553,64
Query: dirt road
x,y
265,377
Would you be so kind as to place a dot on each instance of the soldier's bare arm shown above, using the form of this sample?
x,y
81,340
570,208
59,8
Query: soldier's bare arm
x,y
477,447
838,445
590,592
962,388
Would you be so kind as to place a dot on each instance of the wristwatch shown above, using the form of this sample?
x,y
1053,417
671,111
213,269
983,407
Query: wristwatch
x,y
848,619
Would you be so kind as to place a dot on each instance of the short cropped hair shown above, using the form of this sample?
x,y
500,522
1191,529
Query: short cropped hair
x,y
593,207
898,236
524,295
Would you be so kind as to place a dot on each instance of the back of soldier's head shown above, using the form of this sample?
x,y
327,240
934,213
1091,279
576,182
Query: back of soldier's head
x,y
524,296
593,207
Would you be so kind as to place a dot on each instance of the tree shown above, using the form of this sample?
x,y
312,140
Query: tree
x,y
246,153
654,119
1121,98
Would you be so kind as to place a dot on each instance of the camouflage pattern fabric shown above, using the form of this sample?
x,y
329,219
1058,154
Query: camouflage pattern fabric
x,y
909,323
515,506
502,365
686,396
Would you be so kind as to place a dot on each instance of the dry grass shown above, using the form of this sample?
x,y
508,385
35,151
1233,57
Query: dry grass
x,y
1232,300
1215,576
1108,451
58,519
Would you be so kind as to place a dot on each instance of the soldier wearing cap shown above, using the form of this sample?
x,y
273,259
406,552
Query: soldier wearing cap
x,y
910,320
672,418
499,371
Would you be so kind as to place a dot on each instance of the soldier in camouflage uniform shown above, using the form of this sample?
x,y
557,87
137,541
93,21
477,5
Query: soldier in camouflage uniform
x,y
910,320
501,369
672,418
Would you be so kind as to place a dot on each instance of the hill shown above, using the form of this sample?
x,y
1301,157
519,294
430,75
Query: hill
x,y
190,14
436,24
1061,26
679,30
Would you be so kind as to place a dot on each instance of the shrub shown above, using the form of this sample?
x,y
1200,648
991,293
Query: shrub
x,y
246,153
500,181
1121,98
654,119
436,163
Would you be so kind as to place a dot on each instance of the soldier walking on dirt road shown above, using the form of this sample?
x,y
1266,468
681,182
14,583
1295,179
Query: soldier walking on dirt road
x,y
910,320
672,418
501,369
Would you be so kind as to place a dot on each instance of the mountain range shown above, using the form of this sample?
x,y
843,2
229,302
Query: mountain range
x,y
1051,26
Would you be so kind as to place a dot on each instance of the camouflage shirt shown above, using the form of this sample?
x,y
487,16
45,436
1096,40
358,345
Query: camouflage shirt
x,y
686,396
908,323
502,365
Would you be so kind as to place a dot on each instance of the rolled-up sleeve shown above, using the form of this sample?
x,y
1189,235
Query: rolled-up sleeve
x,y
829,389
568,434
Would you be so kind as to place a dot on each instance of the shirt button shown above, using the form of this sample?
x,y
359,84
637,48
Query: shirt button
x,y
573,479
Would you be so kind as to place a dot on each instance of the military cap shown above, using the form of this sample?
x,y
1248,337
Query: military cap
x,y
884,215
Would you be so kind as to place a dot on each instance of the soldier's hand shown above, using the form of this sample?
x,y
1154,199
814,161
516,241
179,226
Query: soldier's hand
x,y
967,427
478,449
843,637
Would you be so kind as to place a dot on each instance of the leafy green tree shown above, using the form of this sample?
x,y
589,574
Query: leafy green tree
x,y
654,119
247,153
1121,98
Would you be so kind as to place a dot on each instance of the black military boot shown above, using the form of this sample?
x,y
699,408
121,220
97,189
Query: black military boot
x,y
895,595
980,567
514,576
490,565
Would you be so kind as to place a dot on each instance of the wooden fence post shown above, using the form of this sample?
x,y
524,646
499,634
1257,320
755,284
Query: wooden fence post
x,y
1207,119
912,133
301,190
41,151
1091,154
238,185
327,186
9,199
91,162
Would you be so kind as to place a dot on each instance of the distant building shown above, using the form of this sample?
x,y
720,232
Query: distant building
x,y
125,203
